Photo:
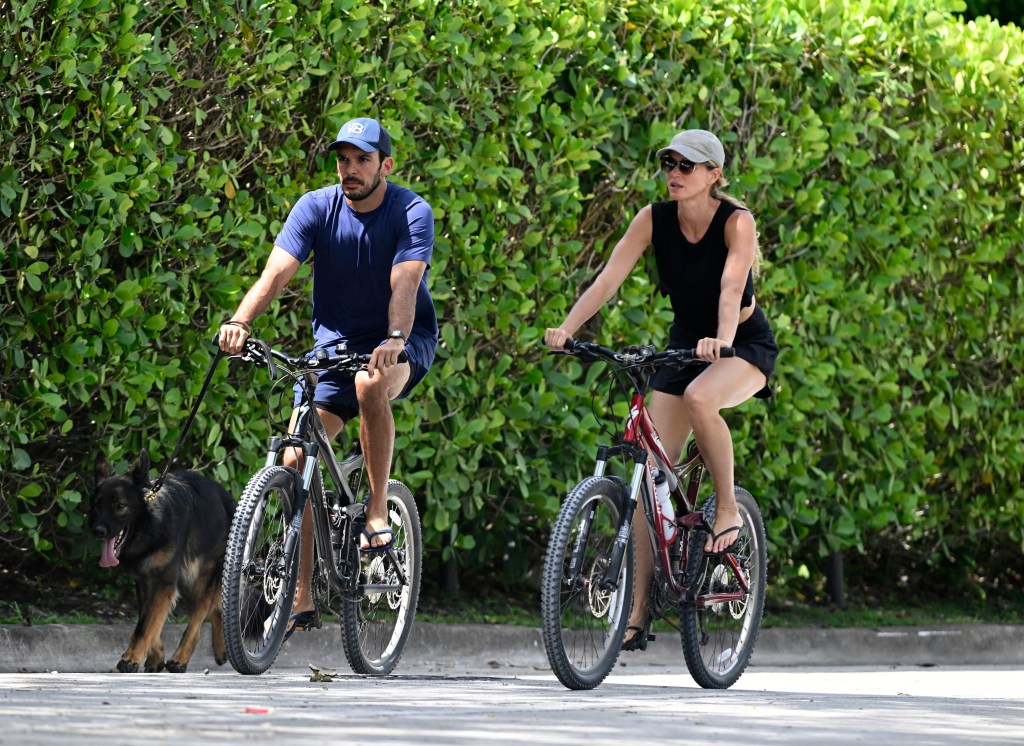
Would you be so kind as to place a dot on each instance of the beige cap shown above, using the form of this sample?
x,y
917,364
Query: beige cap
x,y
698,146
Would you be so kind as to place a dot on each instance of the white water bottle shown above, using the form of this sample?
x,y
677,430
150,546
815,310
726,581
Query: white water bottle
x,y
668,513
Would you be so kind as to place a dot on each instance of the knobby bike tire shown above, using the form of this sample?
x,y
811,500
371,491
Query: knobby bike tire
x,y
582,624
375,626
719,639
257,589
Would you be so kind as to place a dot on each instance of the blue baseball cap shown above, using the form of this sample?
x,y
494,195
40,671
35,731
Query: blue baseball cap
x,y
366,134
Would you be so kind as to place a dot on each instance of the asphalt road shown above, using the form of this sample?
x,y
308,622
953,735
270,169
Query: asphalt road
x,y
480,684
805,706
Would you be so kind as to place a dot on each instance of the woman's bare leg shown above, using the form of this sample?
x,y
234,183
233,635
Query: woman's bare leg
x,y
726,383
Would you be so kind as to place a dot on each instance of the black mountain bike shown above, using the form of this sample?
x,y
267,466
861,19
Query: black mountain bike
x,y
373,594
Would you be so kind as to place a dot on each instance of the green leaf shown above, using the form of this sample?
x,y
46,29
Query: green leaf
x,y
20,460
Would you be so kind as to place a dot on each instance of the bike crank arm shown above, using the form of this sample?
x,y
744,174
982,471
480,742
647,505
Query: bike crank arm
x,y
715,599
381,588
712,599
396,566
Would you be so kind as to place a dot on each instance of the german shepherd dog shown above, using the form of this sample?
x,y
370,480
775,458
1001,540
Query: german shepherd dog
x,y
173,545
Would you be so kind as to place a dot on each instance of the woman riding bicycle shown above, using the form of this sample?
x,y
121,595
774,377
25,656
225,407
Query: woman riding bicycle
x,y
705,248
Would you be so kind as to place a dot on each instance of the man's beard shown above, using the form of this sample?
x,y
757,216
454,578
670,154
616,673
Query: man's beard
x,y
361,194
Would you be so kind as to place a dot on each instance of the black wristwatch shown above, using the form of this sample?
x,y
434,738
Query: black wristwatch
x,y
396,334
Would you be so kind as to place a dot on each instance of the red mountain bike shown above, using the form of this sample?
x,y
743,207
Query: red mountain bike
x,y
587,583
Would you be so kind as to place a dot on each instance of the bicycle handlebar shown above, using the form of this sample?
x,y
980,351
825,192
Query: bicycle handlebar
x,y
259,352
647,355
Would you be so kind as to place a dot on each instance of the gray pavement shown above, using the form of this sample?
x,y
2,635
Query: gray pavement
x,y
473,684
798,706
97,648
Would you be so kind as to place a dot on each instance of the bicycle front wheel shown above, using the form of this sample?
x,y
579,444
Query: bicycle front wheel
x,y
376,622
259,582
583,622
719,636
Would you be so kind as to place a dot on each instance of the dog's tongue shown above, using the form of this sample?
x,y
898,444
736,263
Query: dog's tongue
x,y
108,558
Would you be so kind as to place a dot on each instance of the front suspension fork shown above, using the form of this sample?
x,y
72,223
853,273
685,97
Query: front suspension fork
x,y
610,580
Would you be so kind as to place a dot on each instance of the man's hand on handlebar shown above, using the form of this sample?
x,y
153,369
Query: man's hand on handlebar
x,y
232,336
386,355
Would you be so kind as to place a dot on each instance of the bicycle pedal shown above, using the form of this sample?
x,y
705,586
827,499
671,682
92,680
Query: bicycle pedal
x,y
651,637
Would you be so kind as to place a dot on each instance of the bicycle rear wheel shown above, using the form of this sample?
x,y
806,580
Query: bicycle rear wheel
x,y
582,623
375,625
719,638
258,584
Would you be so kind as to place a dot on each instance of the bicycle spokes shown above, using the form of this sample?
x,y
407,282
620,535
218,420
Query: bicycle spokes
x,y
720,626
259,578
377,618
584,616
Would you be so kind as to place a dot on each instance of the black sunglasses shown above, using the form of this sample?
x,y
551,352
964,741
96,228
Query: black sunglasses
x,y
669,164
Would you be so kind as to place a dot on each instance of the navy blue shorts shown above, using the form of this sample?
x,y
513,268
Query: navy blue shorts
x,y
336,391
754,343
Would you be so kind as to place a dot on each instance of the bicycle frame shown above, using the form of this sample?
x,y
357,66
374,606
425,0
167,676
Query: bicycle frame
x,y
641,443
339,572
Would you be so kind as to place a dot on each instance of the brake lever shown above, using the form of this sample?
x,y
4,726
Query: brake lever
x,y
257,351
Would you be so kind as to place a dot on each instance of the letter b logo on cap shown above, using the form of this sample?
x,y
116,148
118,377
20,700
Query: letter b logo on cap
x,y
366,134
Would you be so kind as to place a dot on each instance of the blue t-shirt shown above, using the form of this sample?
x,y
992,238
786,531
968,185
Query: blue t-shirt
x,y
353,253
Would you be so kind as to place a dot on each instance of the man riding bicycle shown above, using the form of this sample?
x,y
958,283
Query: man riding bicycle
x,y
371,244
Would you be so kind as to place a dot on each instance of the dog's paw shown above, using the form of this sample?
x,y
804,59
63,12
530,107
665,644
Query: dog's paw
x,y
220,660
154,666
126,666
176,666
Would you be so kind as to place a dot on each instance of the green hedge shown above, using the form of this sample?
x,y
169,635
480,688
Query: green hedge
x,y
152,151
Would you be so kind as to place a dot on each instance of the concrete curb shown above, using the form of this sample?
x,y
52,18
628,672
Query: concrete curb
x,y
87,648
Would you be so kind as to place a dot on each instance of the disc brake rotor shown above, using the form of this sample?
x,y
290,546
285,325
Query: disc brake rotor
x,y
601,601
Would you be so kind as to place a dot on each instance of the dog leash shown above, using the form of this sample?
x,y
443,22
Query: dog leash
x,y
151,495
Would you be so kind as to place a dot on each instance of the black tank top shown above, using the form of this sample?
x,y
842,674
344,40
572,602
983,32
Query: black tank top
x,y
690,274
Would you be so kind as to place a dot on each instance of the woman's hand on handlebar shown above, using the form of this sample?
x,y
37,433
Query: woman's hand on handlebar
x,y
556,338
709,348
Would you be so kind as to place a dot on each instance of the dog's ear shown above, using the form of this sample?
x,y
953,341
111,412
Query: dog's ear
x,y
103,468
140,471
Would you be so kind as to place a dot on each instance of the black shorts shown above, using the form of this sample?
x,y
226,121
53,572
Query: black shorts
x,y
754,343
336,392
